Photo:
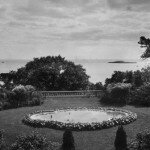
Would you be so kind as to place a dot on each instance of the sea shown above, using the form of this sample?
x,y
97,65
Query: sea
x,y
97,69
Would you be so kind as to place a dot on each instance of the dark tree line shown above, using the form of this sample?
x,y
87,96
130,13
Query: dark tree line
x,y
136,78
49,73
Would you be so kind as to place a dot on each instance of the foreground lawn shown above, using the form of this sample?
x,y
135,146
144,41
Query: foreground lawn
x,y
11,122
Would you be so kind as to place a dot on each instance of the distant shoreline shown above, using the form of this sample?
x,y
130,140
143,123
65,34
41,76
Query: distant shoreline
x,y
121,62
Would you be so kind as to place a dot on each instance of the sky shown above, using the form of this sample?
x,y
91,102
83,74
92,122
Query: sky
x,y
83,29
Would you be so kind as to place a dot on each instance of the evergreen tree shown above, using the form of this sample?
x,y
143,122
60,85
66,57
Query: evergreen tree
x,y
121,139
68,141
2,141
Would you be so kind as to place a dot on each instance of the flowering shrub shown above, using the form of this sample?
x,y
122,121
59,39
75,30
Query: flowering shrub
x,y
26,96
30,142
20,95
29,88
112,86
128,118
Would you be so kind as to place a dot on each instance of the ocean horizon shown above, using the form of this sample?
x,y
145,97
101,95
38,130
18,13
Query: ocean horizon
x,y
97,69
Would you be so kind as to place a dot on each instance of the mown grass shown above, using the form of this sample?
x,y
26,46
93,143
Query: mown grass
x,y
11,122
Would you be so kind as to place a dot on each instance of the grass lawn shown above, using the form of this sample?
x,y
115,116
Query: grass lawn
x,y
11,122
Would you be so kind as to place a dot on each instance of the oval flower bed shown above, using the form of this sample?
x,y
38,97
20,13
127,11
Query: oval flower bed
x,y
35,121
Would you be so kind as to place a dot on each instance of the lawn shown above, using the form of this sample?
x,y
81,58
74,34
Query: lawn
x,y
11,122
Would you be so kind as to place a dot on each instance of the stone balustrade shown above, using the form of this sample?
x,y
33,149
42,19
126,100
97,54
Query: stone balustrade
x,y
88,93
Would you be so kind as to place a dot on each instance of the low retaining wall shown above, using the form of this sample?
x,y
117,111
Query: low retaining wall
x,y
90,93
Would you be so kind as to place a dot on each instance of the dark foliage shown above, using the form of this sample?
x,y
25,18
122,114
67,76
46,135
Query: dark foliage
x,y
96,86
136,78
141,142
141,95
121,139
116,77
145,42
116,95
49,73
2,141
68,141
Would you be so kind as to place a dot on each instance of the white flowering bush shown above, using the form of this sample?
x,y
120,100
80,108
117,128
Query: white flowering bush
x,y
29,88
24,96
112,86
125,119
19,96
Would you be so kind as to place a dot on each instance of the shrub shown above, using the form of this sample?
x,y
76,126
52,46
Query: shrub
x,y
2,141
68,141
4,99
142,141
141,95
1,105
37,99
29,88
25,96
116,93
121,139
30,142
6,105
20,95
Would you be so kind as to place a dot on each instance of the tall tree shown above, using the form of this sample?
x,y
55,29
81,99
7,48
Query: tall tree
x,y
68,141
51,73
145,42
121,139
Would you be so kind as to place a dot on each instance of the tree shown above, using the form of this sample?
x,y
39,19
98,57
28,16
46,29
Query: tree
x,y
144,42
121,139
137,78
98,86
51,73
2,141
68,141
129,77
146,74
7,79
116,77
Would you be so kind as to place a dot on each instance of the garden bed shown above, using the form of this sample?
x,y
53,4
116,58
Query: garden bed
x,y
126,118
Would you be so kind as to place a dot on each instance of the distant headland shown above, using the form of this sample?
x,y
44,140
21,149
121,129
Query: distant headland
x,y
120,61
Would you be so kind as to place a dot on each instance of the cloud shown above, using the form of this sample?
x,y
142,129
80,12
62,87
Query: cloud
x,y
129,5
71,24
